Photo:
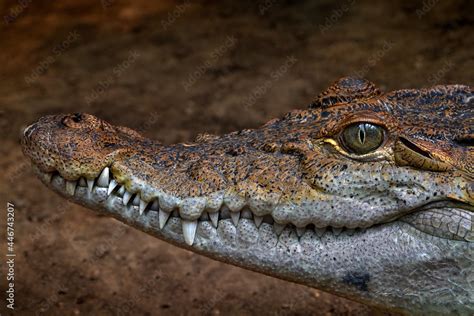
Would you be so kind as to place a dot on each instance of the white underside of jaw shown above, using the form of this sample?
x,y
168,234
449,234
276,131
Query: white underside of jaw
x,y
213,216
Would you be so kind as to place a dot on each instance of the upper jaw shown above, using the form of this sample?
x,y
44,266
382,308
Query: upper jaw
x,y
213,207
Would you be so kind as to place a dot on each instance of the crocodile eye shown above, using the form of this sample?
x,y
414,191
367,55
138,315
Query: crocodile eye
x,y
362,138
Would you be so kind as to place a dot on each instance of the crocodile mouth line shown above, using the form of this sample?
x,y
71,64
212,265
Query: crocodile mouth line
x,y
133,202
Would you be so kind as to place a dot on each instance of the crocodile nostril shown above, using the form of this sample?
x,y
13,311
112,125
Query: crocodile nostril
x,y
77,117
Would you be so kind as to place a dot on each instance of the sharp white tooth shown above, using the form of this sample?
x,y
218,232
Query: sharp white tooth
x,y
163,218
336,230
189,231
103,180
214,218
121,191
143,205
126,197
112,185
136,200
320,231
90,184
235,217
258,220
278,228
300,231
71,187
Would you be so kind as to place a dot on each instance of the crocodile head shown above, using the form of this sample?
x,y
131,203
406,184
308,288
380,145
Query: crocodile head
x,y
365,195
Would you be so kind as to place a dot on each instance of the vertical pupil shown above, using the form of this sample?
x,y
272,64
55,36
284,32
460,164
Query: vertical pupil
x,y
362,133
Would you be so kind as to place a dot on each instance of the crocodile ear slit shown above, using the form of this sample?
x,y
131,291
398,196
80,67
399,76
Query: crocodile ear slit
x,y
408,153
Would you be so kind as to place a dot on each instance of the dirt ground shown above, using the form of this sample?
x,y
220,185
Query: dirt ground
x,y
174,70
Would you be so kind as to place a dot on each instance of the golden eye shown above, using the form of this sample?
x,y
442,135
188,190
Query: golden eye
x,y
362,138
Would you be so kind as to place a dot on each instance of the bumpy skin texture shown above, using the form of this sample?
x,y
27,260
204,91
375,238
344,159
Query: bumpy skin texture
x,y
410,199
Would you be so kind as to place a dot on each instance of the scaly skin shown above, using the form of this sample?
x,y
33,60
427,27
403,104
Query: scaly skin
x,y
391,227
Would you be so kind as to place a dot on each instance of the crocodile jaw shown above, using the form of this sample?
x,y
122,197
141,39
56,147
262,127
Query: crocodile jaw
x,y
354,264
409,259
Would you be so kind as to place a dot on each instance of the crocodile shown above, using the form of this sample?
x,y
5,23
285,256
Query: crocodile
x,y
365,194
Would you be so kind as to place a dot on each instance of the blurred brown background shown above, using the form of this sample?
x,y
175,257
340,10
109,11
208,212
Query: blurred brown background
x,y
174,70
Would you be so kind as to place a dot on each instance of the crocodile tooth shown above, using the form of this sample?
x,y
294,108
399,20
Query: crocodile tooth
x,y
126,197
103,179
155,206
163,218
337,230
112,185
71,187
214,218
82,182
143,206
278,228
90,184
300,231
235,217
121,190
136,200
320,231
258,220
189,231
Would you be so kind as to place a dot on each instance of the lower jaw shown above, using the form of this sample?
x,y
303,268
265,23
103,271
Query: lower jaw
x,y
357,266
